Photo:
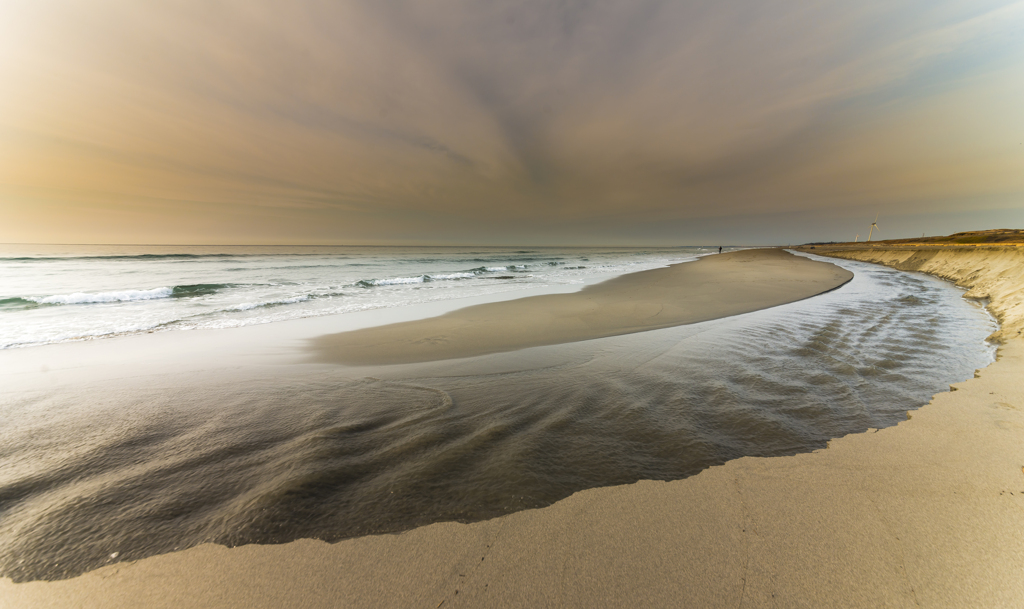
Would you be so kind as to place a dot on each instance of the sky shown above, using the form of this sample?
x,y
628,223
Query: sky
x,y
535,122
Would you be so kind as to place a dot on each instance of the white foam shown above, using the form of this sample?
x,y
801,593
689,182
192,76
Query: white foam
x,y
397,280
453,276
248,306
87,298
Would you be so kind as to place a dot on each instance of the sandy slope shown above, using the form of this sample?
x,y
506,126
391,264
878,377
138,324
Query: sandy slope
x,y
992,273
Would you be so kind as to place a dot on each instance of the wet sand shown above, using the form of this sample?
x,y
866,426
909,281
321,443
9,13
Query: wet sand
x,y
923,514
926,513
710,288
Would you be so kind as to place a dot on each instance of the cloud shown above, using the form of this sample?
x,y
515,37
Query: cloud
x,y
377,117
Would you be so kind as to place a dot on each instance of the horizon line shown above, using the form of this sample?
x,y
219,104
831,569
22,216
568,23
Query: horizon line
x,y
366,245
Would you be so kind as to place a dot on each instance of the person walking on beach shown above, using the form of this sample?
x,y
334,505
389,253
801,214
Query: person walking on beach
x,y
719,249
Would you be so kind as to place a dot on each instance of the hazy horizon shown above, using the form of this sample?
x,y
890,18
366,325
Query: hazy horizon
x,y
581,123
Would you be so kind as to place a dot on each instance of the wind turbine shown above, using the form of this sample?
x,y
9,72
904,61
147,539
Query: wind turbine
x,y
874,227
856,239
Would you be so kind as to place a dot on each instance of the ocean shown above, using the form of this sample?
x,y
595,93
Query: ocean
x,y
106,470
51,294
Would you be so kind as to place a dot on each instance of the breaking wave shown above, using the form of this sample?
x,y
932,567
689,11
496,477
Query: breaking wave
x,y
248,306
178,291
372,283
470,274
96,297
199,289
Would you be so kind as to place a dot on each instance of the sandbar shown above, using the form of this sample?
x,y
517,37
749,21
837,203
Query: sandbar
x,y
709,288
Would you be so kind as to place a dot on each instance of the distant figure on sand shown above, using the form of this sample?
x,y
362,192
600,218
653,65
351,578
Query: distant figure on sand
x,y
719,249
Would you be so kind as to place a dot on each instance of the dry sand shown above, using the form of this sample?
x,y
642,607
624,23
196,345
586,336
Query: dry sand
x,y
926,513
710,288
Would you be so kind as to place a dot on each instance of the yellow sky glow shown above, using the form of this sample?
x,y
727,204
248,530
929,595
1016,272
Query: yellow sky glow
x,y
537,122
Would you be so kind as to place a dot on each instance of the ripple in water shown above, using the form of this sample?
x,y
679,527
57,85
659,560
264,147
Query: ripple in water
x,y
323,452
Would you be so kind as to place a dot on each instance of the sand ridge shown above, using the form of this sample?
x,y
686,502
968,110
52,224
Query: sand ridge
x,y
710,288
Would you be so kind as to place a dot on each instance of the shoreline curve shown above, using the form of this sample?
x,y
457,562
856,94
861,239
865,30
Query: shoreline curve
x,y
925,513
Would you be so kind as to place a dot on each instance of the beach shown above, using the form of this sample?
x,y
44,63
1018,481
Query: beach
x,y
923,513
490,304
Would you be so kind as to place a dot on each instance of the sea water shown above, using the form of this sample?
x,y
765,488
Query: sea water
x,y
51,294
111,470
